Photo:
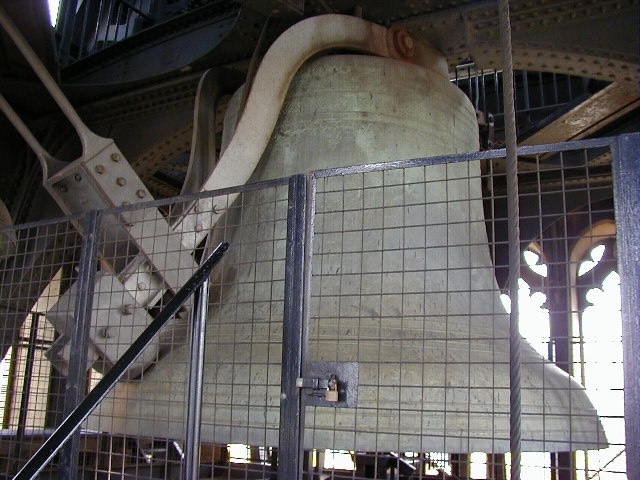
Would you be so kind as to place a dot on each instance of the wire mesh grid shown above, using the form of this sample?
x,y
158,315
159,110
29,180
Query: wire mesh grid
x,y
36,265
407,267
242,376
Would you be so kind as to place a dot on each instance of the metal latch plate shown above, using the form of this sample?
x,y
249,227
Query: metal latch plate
x,y
316,375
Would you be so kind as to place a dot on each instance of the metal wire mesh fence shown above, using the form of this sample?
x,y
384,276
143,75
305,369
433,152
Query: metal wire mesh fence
x,y
407,284
359,333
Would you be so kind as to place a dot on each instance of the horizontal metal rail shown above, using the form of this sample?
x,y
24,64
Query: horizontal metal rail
x,y
70,424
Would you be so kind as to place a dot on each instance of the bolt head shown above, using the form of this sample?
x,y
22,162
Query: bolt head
x,y
107,332
126,309
121,181
100,169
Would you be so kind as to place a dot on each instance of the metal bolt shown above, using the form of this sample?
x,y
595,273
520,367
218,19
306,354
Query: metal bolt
x,y
107,332
62,188
142,286
408,42
402,42
115,157
100,169
127,309
121,181
77,177
141,193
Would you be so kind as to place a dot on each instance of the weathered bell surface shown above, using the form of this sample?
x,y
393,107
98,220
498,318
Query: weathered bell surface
x,y
403,284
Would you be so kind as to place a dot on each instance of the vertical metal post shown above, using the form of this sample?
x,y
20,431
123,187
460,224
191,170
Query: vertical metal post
x,y
194,391
290,450
626,188
26,386
77,377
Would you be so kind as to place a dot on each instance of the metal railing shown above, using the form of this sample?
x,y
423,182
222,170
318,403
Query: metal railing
x,y
305,252
538,95
90,26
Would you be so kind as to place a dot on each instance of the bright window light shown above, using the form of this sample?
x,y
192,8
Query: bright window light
x,y
239,453
338,459
596,255
534,318
54,5
603,374
533,261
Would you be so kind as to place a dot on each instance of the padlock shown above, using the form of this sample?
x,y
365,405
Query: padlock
x,y
331,394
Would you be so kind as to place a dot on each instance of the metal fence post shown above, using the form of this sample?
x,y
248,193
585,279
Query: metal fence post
x,y
626,187
77,377
290,449
194,391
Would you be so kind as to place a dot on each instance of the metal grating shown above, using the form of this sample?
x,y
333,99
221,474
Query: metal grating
x,y
540,97
404,283
36,265
388,277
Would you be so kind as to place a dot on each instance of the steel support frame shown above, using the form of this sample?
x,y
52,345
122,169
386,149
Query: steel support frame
x,y
626,185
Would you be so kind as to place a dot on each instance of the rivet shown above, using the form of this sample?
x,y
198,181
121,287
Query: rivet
x,y
121,181
107,332
100,169
141,193
62,188
142,286
115,157
77,177
127,309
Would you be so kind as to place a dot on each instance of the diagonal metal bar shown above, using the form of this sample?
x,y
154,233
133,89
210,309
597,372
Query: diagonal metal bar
x,y
66,429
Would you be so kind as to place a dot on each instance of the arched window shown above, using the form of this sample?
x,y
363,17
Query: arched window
x,y
597,348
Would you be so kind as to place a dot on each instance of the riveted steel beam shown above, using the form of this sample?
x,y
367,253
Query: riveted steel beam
x,y
599,110
597,39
